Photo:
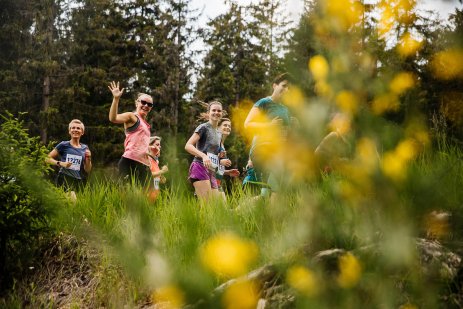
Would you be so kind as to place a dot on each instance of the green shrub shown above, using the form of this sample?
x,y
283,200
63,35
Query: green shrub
x,y
26,198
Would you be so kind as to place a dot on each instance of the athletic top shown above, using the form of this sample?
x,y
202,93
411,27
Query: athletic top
x,y
137,139
271,110
76,156
209,142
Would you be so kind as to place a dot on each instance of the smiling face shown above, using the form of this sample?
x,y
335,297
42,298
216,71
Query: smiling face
x,y
155,147
225,127
76,129
144,104
215,112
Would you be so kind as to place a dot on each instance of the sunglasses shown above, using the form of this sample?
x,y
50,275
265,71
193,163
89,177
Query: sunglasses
x,y
146,103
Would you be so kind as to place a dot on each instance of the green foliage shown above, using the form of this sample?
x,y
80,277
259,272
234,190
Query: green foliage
x,y
27,199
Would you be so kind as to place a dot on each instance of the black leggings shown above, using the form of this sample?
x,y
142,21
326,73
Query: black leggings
x,y
69,183
131,169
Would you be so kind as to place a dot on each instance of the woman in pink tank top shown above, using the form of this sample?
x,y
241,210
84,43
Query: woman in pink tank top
x,y
134,163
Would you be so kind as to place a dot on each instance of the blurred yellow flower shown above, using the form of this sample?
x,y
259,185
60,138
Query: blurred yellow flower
x,y
385,102
343,13
228,255
347,101
319,67
239,114
386,19
241,295
303,280
402,82
350,270
168,297
448,64
408,46
349,192
293,98
393,166
322,88
404,6
406,150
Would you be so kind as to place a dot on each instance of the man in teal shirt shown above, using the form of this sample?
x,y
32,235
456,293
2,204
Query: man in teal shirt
x,y
269,120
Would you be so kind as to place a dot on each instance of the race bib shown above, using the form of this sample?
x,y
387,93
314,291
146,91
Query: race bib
x,y
75,160
221,170
214,159
156,181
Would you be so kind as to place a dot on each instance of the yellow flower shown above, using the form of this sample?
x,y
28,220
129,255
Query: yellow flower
x,y
408,46
168,297
228,255
350,270
241,295
448,64
343,13
402,82
405,6
386,20
293,98
319,67
385,102
393,166
406,150
303,280
347,101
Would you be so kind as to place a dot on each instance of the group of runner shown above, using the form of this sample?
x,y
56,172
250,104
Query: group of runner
x,y
140,160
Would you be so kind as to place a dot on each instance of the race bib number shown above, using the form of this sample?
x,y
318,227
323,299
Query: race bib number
x,y
214,159
156,181
221,170
75,160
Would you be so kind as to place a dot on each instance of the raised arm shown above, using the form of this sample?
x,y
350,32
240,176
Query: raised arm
x,y
114,117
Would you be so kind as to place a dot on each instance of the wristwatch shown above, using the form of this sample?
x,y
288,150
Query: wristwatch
x,y
58,163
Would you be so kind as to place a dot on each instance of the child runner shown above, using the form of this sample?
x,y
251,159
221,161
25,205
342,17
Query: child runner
x,y
134,161
225,128
73,158
204,144
156,172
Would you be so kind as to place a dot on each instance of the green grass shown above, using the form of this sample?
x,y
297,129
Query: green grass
x,y
310,217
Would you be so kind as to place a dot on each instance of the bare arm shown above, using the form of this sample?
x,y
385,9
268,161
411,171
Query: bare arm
x,y
52,159
128,118
191,149
163,170
256,121
88,161
190,146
